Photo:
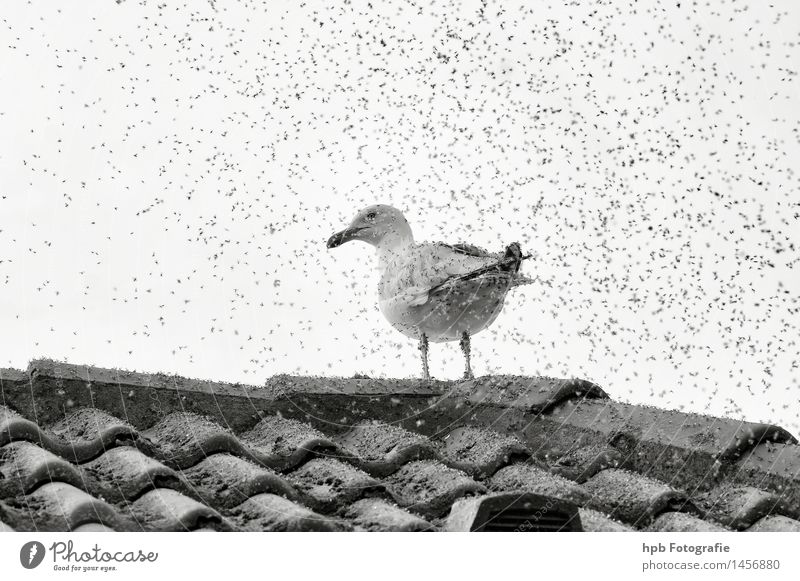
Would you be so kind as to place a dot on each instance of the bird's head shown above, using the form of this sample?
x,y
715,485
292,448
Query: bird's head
x,y
378,225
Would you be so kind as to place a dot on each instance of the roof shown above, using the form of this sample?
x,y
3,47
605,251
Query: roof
x,y
86,448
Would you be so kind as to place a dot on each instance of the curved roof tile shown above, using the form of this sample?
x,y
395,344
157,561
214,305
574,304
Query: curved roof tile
x,y
381,448
125,473
775,524
24,466
328,484
681,522
282,443
164,509
376,514
182,439
268,512
480,452
223,481
531,478
633,498
58,506
429,488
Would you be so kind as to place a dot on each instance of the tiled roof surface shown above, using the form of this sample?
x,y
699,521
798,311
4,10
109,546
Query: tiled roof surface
x,y
83,448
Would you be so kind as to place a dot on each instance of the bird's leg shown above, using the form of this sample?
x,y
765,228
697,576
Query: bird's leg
x,y
423,347
465,346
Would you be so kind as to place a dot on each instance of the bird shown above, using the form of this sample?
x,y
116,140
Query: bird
x,y
432,291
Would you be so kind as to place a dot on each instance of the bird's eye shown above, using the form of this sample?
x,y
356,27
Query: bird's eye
x,y
371,216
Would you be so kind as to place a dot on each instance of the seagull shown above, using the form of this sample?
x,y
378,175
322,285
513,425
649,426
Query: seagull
x,y
434,292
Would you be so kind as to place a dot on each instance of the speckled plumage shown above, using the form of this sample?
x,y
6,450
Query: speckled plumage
x,y
409,302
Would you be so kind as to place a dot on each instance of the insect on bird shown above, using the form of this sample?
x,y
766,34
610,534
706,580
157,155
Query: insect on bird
x,y
434,292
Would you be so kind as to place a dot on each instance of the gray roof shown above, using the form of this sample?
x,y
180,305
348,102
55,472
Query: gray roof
x,y
88,448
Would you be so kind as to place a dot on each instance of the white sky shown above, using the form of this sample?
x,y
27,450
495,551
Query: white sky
x,y
169,173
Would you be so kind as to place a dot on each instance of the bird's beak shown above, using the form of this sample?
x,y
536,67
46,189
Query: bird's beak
x,y
345,235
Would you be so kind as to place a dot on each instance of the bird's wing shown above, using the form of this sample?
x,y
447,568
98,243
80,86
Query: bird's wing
x,y
428,269
457,264
445,261
408,278
469,250
490,273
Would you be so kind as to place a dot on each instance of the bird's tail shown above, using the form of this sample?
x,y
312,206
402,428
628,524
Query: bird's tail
x,y
513,258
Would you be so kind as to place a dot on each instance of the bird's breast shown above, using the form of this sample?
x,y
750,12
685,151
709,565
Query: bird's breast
x,y
471,308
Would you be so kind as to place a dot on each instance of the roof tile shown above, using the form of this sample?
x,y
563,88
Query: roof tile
x,y
294,384
596,521
328,484
164,509
480,452
381,448
775,467
13,375
58,506
583,462
125,473
739,507
681,522
182,439
531,478
13,427
376,514
93,527
686,449
631,497
429,487
223,480
282,443
88,432
24,466
268,512
533,394
775,524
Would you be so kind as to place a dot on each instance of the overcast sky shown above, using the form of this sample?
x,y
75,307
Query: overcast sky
x,y
169,173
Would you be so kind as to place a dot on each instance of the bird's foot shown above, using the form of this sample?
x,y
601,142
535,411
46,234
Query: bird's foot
x,y
468,375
